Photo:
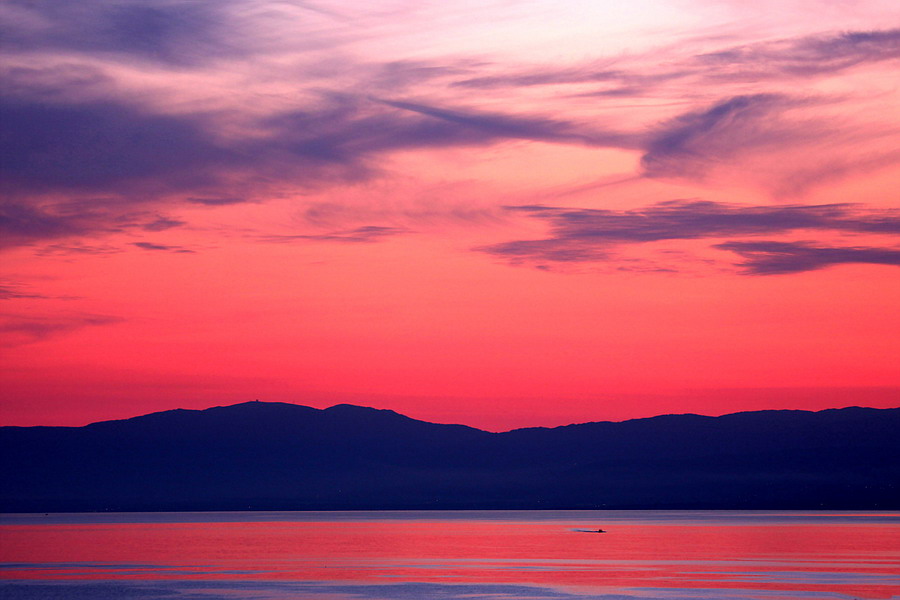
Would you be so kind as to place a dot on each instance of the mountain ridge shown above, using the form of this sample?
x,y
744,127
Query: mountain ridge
x,y
344,405
286,456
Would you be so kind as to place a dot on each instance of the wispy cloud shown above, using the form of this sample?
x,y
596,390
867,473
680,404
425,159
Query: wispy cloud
x,y
16,330
585,235
350,130
12,291
26,220
366,235
172,32
500,126
771,60
779,258
806,56
88,152
797,143
76,249
111,158
161,247
691,219
444,205
214,201
692,142
784,144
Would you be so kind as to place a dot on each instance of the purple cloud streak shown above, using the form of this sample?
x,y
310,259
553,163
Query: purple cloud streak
x,y
586,235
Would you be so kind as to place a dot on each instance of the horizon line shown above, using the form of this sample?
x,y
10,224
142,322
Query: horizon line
x,y
339,404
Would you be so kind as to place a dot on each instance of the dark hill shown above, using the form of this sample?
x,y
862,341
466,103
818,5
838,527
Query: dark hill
x,y
263,455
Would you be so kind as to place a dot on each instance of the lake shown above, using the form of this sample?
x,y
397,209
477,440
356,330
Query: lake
x,y
452,555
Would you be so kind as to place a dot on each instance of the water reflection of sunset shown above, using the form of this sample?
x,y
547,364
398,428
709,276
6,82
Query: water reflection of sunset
x,y
854,559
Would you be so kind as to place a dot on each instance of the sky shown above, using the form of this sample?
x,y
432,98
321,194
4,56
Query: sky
x,y
502,213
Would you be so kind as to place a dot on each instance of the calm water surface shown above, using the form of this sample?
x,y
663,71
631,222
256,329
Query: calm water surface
x,y
502,555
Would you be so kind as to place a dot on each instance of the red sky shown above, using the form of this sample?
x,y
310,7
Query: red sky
x,y
497,213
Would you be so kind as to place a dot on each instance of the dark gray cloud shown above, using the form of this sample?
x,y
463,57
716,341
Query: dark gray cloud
x,y
690,143
803,57
779,258
365,235
12,292
161,247
551,249
16,329
76,249
177,32
97,145
15,291
111,158
348,130
161,223
27,222
75,165
499,126
215,201
585,235
346,135
691,219
77,157
734,134
21,222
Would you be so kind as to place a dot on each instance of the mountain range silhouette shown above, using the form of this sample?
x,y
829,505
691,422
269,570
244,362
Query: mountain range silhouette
x,y
277,456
